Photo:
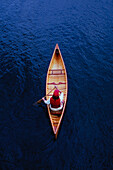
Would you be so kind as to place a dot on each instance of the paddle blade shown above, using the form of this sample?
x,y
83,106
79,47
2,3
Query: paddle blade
x,y
39,101
36,103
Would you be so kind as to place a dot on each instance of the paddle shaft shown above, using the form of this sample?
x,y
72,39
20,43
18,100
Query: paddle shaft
x,y
44,96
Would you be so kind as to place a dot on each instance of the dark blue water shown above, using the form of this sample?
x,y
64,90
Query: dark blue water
x,y
29,31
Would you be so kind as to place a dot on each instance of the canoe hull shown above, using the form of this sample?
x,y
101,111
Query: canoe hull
x,y
56,76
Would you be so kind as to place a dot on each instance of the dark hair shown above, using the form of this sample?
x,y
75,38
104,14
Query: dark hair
x,y
55,97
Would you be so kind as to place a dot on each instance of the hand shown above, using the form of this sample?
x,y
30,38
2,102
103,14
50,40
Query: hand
x,y
43,98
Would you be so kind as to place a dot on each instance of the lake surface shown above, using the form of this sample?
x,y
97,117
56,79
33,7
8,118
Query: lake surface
x,y
29,31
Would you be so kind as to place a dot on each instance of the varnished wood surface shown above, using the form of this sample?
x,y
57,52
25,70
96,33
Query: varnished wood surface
x,y
56,75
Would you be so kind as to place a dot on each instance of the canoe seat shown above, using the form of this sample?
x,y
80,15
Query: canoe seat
x,y
56,112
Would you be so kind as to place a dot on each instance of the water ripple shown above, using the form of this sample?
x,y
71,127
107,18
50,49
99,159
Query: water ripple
x,y
29,32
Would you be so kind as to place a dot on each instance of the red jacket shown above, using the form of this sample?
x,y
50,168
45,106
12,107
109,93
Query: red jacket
x,y
55,103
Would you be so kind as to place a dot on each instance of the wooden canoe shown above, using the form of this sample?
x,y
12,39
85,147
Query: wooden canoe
x,y
56,76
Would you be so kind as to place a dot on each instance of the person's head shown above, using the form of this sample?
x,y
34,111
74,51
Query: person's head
x,y
56,94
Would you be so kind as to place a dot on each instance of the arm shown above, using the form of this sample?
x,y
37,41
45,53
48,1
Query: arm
x,y
61,97
46,101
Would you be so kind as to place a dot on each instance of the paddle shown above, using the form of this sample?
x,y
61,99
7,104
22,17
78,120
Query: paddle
x,y
39,101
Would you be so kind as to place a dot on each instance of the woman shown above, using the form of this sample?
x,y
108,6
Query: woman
x,y
56,101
